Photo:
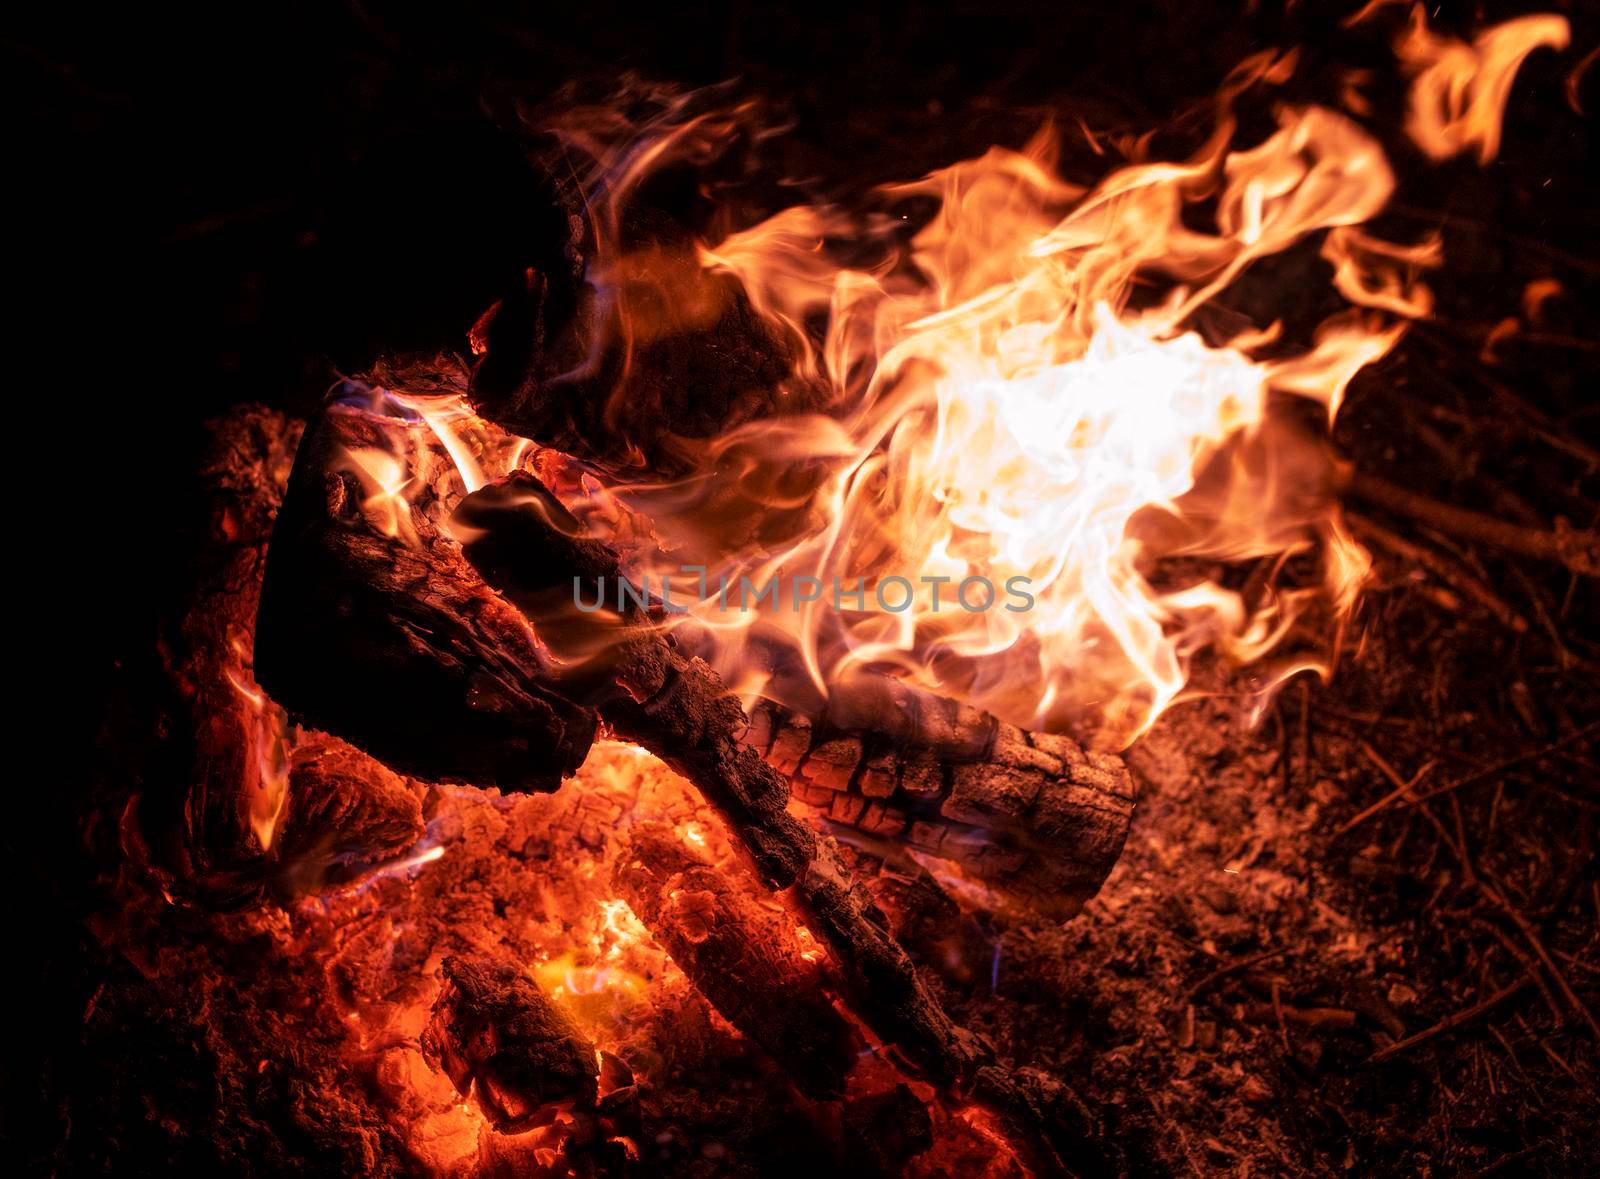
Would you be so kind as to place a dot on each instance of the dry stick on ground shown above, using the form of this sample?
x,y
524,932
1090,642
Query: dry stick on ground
x,y
1495,895
1509,763
1466,1015
1232,968
1445,570
1403,790
1402,786
1499,898
1529,965
1399,791
1578,550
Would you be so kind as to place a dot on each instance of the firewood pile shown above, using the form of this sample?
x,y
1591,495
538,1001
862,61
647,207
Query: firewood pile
x,y
941,778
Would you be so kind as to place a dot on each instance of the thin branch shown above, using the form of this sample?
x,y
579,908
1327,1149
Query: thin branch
x,y
1466,1015
1577,549
1509,763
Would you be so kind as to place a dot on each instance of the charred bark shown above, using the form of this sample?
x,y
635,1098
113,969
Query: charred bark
x,y
345,814
400,647
1032,817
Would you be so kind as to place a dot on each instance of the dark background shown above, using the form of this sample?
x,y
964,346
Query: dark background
x,y
231,202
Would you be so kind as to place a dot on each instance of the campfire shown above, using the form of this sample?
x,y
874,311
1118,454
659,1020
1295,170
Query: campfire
x,y
690,727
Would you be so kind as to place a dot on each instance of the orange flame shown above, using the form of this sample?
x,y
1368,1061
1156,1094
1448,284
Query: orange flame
x,y
1044,400
268,741
1459,96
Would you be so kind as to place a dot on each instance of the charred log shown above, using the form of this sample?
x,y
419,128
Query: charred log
x,y
676,707
502,1042
400,647
741,956
372,613
262,806
1033,817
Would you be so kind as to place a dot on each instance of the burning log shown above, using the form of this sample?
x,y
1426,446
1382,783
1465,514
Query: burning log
x,y
502,1042
375,623
262,806
676,707
741,957
1032,816
400,646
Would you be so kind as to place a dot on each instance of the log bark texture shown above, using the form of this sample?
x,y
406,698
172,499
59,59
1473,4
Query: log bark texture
x,y
397,645
1033,818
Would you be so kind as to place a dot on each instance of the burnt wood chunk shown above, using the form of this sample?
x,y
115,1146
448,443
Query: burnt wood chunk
x,y
263,806
345,814
742,956
677,708
1034,818
374,627
198,817
506,1045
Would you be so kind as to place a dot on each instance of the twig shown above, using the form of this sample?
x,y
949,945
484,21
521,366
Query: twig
x,y
1512,762
1456,849
1441,568
1400,791
1529,966
1311,1017
1449,1022
1537,944
1231,968
1504,1161
1277,1010
1577,549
